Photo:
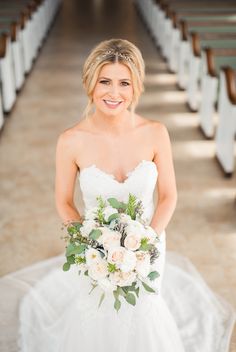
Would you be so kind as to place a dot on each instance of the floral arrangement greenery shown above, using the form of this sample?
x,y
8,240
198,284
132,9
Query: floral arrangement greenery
x,y
115,247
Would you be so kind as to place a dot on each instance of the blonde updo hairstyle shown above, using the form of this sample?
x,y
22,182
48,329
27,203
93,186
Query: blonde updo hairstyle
x,y
112,51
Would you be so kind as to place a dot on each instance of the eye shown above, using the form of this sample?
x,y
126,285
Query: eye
x,y
104,81
124,83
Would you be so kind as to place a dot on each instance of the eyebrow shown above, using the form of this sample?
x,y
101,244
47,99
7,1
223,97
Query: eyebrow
x,y
123,79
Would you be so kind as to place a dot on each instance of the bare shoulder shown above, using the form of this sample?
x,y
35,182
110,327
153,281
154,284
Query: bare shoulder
x,y
159,129
73,135
154,128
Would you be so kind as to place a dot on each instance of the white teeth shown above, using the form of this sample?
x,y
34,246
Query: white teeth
x,y
112,102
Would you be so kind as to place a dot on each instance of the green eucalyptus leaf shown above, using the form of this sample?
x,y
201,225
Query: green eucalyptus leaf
x,y
137,291
116,204
125,289
116,294
76,250
153,275
148,288
71,259
77,226
95,234
121,291
101,299
66,266
130,298
130,288
113,216
69,249
117,304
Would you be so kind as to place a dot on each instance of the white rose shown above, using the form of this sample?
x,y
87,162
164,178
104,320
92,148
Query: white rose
x,y
109,211
132,241
88,226
109,238
123,279
143,263
107,285
123,258
125,218
92,255
129,261
116,255
135,223
135,227
98,270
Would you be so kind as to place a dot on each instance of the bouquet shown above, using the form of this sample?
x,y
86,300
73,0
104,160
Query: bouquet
x,y
115,247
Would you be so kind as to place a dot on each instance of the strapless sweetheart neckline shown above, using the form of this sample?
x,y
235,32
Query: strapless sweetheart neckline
x,y
128,174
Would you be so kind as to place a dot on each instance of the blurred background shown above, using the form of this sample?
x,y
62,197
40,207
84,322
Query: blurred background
x,y
190,53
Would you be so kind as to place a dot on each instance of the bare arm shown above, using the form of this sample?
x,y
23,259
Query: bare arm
x,y
66,171
167,192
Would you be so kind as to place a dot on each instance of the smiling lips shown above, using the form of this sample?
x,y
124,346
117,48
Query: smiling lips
x,y
112,104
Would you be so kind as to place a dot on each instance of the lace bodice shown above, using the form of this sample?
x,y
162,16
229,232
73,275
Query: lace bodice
x,y
141,182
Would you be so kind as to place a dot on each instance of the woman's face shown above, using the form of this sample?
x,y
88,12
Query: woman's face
x,y
113,92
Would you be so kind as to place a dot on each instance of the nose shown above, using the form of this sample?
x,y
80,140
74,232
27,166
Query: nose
x,y
114,90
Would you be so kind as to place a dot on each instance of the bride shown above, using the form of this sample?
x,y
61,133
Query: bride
x,y
114,152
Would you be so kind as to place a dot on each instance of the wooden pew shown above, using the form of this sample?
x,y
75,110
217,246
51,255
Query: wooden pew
x,y
11,58
226,129
199,41
30,36
156,15
6,72
175,36
13,29
212,61
23,27
204,26
184,45
167,18
181,23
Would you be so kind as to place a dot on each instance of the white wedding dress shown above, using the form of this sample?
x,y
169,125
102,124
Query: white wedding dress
x,y
56,313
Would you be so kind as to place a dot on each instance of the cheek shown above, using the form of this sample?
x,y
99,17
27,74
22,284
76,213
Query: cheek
x,y
129,94
98,91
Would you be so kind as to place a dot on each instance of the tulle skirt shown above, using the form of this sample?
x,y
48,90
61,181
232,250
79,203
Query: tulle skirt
x,y
44,309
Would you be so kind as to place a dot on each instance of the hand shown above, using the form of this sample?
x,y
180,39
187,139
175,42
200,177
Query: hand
x,y
158,233
70,221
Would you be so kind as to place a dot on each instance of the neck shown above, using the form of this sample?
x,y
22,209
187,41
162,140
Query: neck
x,y
115,125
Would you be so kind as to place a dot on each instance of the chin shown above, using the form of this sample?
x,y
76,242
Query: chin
x,y
111,112
114,113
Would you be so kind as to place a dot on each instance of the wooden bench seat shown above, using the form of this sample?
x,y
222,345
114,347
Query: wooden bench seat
x,y
226,129
198,43
190,30
167,33
212,61
182,46
201,40
13,29
12,68
23,27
